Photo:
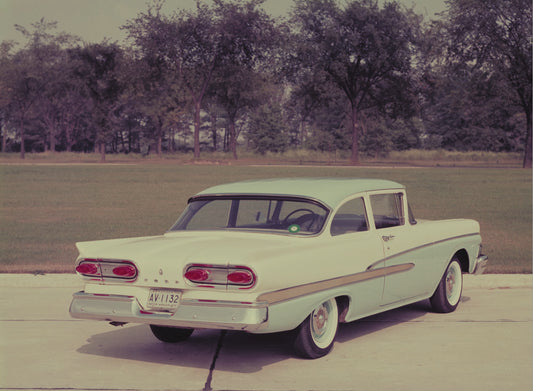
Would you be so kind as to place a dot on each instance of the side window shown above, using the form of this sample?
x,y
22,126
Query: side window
x,y
388,210
351,217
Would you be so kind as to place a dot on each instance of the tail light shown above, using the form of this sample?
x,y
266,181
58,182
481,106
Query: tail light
x,y
88,268
126,271
241,277
197,275
209,276
104,268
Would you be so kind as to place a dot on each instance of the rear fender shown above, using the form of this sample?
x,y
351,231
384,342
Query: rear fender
x,y
289,314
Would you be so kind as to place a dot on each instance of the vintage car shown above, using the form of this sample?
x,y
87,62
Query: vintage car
x,y
275,255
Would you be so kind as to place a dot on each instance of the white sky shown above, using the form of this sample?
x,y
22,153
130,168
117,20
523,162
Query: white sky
x,y
94,20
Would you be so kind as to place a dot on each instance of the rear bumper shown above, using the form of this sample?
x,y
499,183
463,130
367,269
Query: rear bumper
x,y
190,313
481,264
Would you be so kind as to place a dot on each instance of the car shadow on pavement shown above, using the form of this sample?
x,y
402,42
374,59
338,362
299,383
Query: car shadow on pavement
x,y
382,321
136,342
234,351
248,353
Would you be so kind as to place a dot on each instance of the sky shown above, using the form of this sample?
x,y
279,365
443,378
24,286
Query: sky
x,y
94,20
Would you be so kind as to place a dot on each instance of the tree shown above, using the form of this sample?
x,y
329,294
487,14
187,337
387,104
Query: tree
x,y
155,75
237,91
98,66
247,34
28,74
363,50
468,109
231,34
323,113
5,64
495,37
267,132
229,37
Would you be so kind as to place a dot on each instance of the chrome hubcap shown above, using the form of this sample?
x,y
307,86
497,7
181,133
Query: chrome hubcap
x,y
323,323
453,283
450,283
320,318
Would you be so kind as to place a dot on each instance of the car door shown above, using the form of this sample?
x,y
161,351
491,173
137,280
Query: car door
x,y
356,244
406,272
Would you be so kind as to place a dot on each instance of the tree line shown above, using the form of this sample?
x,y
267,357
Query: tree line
x,y
361,75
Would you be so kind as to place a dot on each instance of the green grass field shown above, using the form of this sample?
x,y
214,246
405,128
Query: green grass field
x,y
45,209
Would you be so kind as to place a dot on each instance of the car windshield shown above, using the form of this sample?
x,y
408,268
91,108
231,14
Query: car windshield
x,y
279,214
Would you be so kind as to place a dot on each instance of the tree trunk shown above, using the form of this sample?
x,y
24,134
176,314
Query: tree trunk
x,y
68,136
52,140
226,143
233,139
214,131
527,152
102,151
171,141
122,142
4,137
22,139
355,137
159,144
197,106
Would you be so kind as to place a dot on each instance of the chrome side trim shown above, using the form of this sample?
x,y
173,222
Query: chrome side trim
x,y
221,303
306,289
375,264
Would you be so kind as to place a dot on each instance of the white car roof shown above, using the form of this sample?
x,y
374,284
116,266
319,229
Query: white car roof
x,y
329,191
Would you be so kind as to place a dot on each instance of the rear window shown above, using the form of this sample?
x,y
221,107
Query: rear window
x,y
286,215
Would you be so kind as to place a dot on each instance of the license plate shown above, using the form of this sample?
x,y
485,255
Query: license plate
x,y
163,299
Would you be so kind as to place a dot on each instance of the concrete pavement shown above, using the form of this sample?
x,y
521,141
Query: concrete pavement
x,y
485,345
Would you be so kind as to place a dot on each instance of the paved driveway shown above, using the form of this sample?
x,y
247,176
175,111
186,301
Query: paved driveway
x,y
485,345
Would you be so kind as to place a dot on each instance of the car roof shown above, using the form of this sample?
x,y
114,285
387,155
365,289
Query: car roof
x,y
329,191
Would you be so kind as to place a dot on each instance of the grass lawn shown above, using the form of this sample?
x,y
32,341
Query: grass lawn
x,y
45,209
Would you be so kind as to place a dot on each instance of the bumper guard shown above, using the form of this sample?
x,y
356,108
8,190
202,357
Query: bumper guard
x,y
481,264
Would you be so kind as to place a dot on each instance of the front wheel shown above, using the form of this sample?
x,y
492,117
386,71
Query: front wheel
x,y
448,294
170,334
316,334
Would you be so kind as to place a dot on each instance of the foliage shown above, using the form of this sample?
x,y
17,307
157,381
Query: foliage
x,y
490,41
381,136
98,65
248,36
360,75
209,50
31,82
267,132
363,50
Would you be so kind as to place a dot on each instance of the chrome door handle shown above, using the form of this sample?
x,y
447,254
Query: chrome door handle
x,y
386,238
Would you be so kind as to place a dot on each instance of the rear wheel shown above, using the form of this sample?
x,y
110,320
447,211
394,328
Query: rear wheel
x,y
448,294
170,334
316,334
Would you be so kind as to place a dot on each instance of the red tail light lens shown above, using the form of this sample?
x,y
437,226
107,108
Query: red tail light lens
x,y
241,277
127,271
88,269
197,275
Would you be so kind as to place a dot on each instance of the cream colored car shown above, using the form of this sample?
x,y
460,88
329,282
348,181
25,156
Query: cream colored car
x,y
275,255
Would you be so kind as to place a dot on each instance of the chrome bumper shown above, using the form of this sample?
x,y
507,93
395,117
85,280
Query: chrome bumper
x,y
481,264
190,313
